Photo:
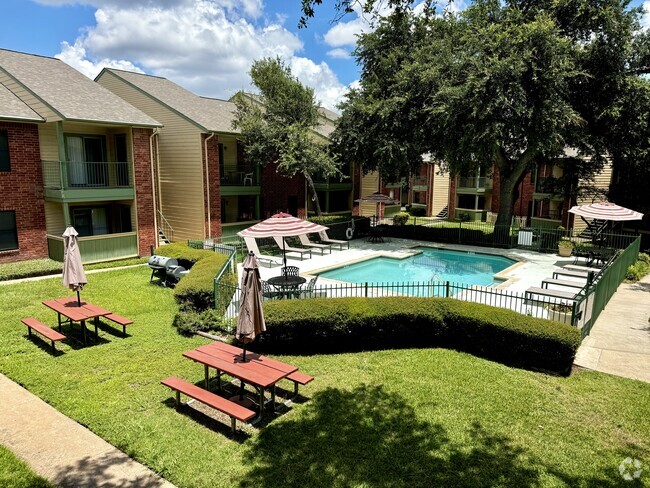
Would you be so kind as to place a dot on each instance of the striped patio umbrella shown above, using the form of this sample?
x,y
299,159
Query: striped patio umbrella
x,y
282,225
606,211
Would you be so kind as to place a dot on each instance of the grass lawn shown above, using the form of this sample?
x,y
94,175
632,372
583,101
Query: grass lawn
x,y
15,473
419,417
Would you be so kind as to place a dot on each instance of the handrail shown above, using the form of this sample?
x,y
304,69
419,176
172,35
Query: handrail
x,y
166,228
435,276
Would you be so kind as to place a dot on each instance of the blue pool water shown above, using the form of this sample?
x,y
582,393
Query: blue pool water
x,y
439,264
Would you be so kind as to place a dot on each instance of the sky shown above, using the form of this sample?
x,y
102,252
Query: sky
x,y
206,46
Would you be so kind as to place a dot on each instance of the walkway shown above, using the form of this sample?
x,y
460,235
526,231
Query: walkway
x,y
61,450
619,342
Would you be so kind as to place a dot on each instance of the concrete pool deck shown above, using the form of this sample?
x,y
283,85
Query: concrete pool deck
x,y
533,269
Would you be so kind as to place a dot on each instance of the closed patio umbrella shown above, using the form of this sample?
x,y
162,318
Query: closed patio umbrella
x,y
73,271
250,322
282,225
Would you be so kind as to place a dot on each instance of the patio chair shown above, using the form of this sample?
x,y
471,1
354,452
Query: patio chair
x,y
304,240
290,271
269,292
251,244
307,291
288,249
248,178
325,238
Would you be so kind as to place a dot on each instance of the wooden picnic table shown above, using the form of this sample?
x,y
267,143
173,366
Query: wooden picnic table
x,y
74,312
258,371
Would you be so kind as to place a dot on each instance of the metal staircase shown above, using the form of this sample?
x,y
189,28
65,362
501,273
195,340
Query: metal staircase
x,y
165,231
594,229
444,213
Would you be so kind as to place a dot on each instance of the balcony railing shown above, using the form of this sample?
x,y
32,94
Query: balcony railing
x,y
420,181
239,176
63,175
475,182
546,184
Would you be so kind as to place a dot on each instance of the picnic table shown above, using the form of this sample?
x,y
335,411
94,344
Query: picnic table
x,y
77,312
259,371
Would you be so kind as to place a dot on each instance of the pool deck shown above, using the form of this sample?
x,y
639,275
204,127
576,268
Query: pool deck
x,y
534,267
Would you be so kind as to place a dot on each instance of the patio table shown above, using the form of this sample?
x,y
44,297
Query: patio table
x,y
258,371
287,284
74,312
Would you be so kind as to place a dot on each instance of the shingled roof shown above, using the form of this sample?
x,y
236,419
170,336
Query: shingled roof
x,y
66,92
12,107
209,114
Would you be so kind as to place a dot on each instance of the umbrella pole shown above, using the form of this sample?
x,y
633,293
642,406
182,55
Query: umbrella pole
x,y
78,298
284,257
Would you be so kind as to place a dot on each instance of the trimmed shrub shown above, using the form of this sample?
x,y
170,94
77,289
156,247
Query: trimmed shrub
x,y
330,219
639,269
400,218
418,211
353,324
195,292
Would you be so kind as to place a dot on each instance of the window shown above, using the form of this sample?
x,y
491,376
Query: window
x,y
8,233
101,220
5,164
86,160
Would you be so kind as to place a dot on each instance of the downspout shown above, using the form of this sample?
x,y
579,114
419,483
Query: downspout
x,y
207,183
153,187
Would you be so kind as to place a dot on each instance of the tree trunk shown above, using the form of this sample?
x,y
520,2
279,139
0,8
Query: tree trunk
x,y
313,194
508,182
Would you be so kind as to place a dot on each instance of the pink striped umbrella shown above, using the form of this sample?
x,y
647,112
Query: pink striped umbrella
x,y
282,225
606,211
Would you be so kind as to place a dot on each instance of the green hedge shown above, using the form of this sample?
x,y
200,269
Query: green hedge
x,y
352,324
195,292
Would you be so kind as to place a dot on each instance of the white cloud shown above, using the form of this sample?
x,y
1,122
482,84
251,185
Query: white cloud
x,y
75,56
645,20
195,43
339,53
328,90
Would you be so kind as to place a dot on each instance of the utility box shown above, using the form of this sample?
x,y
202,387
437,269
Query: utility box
x,y
525,238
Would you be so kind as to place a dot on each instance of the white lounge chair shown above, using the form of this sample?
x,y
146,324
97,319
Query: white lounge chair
x,y
251,244
325,238
284,246
304,240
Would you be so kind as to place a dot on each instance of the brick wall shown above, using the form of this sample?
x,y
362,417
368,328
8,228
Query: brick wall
x,y
143,190
22,191
526,190
277,190
213,227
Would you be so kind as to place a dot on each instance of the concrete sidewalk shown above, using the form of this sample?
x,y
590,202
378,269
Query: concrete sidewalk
x,y
61,450
619,342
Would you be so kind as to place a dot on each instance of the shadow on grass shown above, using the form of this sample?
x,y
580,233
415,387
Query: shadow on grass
x,y
370,437
44,344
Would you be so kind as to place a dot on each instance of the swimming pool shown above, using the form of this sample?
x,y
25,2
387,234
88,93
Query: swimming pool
x,y
429,265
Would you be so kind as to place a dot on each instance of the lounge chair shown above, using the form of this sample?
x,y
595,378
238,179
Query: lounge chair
x,y
251,244
284,246
325,238
304,240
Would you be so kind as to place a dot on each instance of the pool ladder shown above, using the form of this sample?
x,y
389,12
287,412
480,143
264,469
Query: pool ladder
x,y
435,277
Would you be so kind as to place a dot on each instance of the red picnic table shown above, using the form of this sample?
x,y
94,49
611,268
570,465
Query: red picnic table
x,y
258,371
77,312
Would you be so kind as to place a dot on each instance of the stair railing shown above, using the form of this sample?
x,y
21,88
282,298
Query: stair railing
x,y
164,227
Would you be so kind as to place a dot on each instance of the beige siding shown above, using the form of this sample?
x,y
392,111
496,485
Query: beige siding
x,y
440,191
54,218
369,185
47,142
601,181
26,96
180,148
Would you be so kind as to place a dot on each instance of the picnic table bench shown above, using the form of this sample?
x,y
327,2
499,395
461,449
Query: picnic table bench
x,y
232,409
118,319
44,330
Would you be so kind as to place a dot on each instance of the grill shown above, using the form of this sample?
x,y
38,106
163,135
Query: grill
x,y
166,270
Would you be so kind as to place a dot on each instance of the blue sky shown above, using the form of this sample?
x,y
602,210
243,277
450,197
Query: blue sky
x,y
206,46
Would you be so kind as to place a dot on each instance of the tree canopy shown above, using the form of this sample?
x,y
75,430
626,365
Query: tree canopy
x,y
278,126
503,84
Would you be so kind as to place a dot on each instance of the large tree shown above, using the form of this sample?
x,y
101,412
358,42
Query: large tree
x,y
278,125
500,84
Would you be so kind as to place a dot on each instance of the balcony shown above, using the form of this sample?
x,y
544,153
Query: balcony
x,y
547,185
98,248
84,181
239,180
473,184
